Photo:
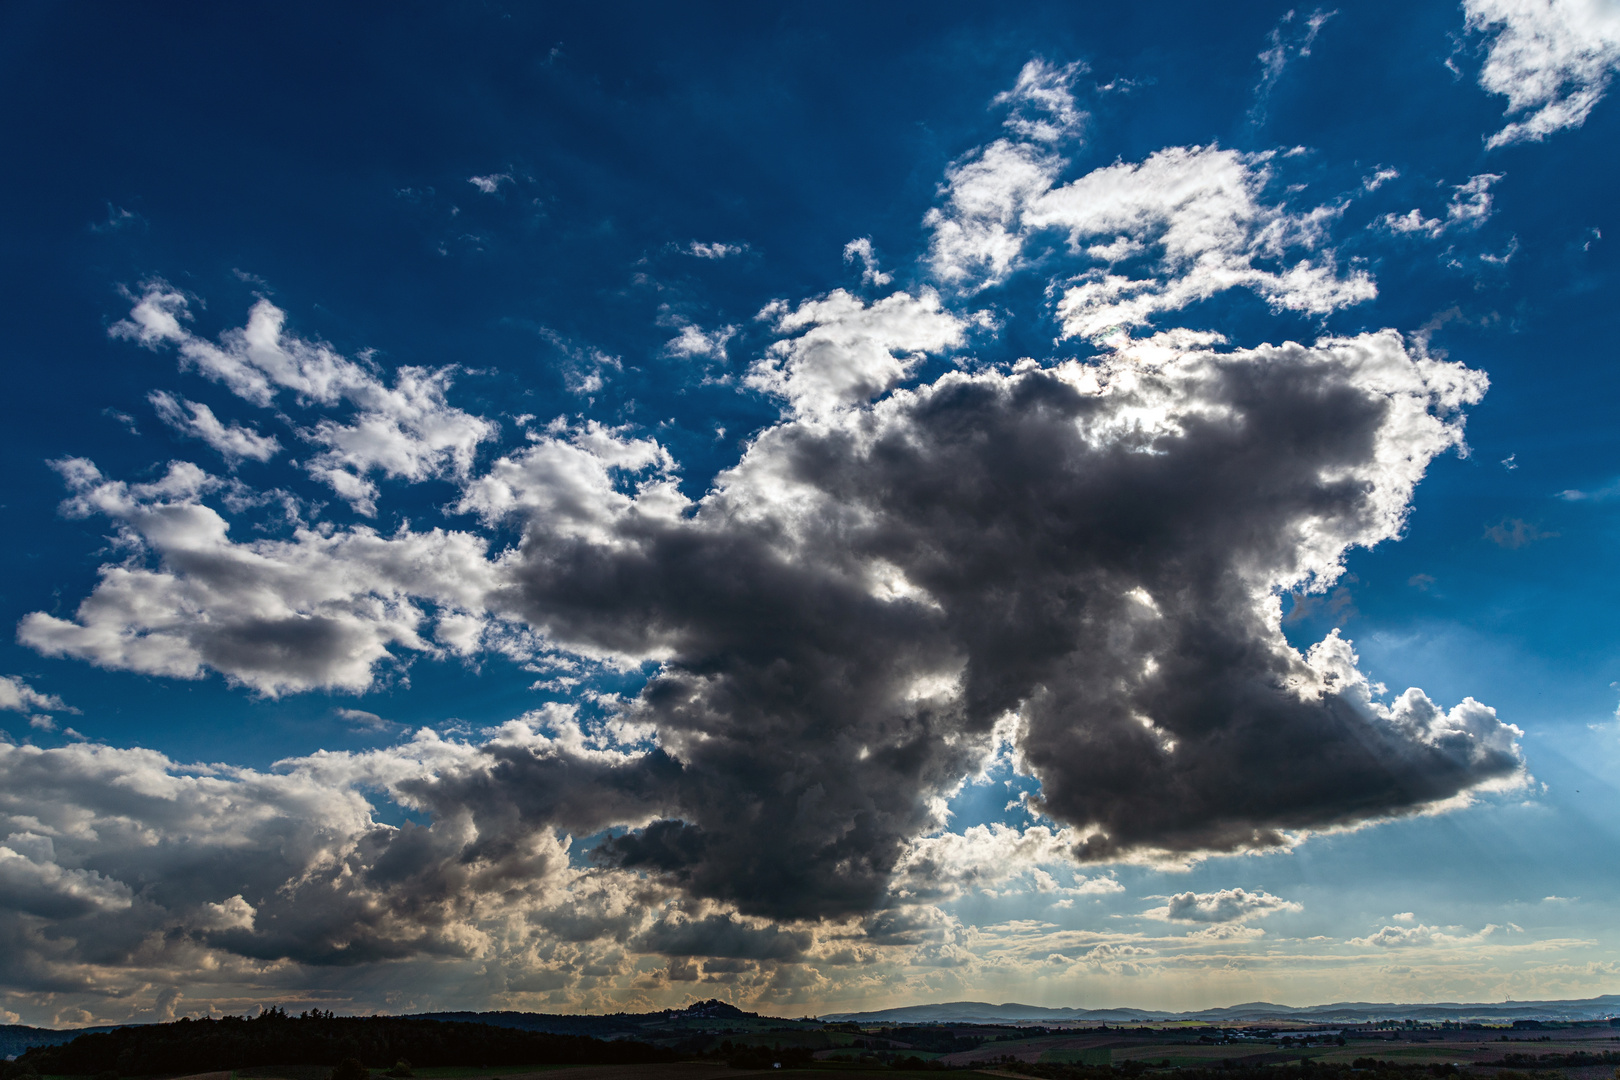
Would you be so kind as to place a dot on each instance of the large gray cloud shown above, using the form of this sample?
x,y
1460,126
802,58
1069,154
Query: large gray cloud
x,y
1094,550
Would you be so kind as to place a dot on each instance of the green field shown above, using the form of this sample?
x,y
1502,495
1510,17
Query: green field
x,y
1078,1057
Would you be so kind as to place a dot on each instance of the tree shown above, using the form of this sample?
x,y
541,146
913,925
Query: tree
x,y
351,1069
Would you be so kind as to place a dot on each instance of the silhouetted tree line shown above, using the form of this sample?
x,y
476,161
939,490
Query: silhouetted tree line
x,y
600,1027
763,1057
939,1040
1557,1061
316,1038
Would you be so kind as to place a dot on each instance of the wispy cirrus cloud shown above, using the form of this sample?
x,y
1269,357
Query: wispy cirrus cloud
x,y
1290,40
1469,208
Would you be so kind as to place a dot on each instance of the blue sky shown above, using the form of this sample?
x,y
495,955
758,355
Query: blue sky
x,y
826,509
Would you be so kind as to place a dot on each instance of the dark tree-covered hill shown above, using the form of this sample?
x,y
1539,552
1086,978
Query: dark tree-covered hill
x,y
16,1038
615,1025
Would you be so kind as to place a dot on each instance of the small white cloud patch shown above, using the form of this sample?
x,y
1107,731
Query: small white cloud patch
x,y
233,441
490,184
1224,906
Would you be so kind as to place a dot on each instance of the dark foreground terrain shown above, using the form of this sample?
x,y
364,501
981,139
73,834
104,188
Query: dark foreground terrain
x,y
712,1041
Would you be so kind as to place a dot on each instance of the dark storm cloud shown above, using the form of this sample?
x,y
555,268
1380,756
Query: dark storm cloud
x,y
724,936
135,862
1097,551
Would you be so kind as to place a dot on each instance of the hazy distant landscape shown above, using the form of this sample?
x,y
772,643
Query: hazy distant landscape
x,y
1579,1040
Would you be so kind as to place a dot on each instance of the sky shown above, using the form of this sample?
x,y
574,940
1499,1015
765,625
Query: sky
x,y
826,507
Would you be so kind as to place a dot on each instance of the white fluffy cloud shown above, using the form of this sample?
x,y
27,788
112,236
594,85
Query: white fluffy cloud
x,y
837,351
1421,936
321,609
871,274
490,184
1552,59
693,340
1198,215
1181,226
233,441
405,431
978,234
1224,906
17,696
989,857
572,480
1041,101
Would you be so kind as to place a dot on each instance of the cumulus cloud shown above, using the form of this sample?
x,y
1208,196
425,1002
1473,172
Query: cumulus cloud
x,y
571,481
1198,216
1181,226
405,431
977,234
694,341
849,613
145,862
122,869
837,351
945,865
364,720
321,609
1225,906
1420,935
1552,59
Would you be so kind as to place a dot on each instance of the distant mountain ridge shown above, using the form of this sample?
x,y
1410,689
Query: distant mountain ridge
x,y
967,1012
